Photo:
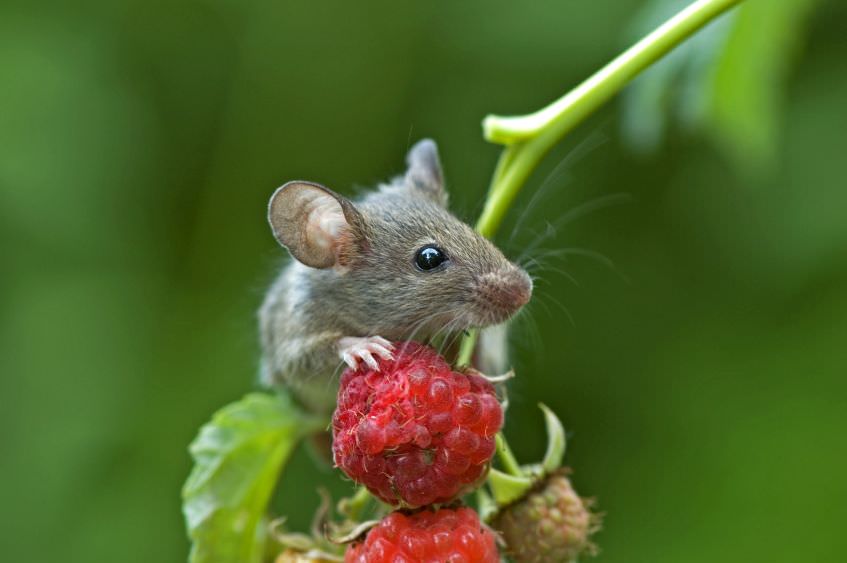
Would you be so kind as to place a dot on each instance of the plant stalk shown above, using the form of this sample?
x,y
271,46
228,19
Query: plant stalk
x,y
529,138
507,458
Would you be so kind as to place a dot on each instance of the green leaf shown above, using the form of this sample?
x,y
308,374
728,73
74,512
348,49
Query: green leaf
x,y
748,79
669,89
238,457
727,83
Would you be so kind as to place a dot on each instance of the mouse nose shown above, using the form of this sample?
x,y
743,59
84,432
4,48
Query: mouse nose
x,y
507,290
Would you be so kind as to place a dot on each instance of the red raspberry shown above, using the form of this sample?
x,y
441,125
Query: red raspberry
x,y
415,432
448,535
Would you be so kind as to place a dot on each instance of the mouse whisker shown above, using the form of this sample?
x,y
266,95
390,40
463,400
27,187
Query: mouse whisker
x,y
420,325
531,336
560,306
572,215
452,335
563,254
560,172
547,268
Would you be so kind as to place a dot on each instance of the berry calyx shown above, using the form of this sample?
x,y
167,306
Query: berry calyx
x,y
415,432
447,535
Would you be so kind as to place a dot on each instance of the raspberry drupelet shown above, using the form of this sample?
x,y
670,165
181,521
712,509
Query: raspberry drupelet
x,y
447,535
415,432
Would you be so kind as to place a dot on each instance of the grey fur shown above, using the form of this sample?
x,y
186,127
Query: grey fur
x,y
378,290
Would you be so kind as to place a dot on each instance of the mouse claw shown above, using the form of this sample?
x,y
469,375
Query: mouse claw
x,y
369,359
387,344
382,351
350,360
352,349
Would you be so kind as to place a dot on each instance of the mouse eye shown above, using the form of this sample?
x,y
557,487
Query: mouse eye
x,y
429,257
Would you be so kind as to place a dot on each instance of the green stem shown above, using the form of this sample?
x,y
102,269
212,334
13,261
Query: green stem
x,y
466,349
507,458
354,507
528,138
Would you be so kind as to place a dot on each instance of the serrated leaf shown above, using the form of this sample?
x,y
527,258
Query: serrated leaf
x,y
725,83
238,457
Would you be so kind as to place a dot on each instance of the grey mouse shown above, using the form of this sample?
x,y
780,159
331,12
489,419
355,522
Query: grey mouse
x,y
391,265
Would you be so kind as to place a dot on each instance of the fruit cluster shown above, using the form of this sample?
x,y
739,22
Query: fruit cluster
x,y
418,435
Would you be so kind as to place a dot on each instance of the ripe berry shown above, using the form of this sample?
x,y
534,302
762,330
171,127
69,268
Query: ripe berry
x,y
551,524
415,432
448,535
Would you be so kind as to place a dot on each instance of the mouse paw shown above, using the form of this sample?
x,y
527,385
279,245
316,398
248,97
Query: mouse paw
x,y
352,349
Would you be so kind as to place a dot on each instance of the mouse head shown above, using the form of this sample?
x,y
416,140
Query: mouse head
x,y
404,259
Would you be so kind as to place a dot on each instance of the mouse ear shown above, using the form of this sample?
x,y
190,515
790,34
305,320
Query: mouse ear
x,y
319,227
424,175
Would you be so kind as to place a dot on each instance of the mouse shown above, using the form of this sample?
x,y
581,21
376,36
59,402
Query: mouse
x,y
391,265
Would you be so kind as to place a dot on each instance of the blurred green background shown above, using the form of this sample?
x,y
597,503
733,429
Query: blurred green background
x,y
702,379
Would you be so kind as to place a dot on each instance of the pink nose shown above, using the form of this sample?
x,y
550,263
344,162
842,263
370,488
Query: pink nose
x,y
507,290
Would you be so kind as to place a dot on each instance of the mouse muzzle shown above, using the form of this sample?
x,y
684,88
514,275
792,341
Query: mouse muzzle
x,y
501,293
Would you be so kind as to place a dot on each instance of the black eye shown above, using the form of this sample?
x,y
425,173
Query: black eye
x,y
429,258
